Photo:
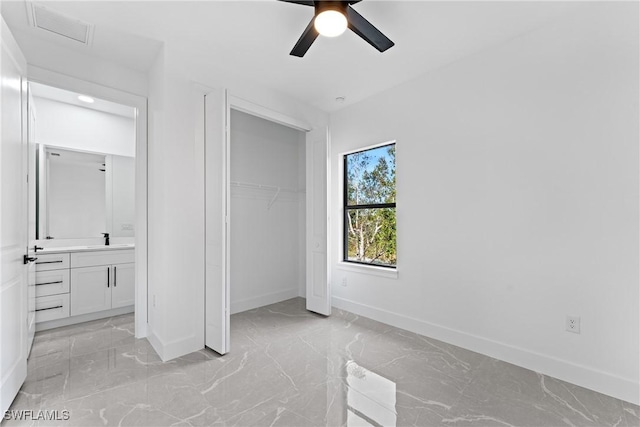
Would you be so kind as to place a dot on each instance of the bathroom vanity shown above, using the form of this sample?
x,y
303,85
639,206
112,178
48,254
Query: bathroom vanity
x,y
80,283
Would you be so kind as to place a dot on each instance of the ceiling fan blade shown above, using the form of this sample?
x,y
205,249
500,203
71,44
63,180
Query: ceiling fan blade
x,y
306,39
367,31
303,2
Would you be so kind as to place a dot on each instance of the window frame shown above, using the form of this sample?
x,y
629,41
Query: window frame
x,y
346,208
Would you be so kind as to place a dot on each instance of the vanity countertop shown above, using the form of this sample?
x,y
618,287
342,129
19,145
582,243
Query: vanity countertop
x,y
89,248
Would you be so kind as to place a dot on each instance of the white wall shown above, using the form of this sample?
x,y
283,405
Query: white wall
x,y
69,126
176,211
265,254
517,192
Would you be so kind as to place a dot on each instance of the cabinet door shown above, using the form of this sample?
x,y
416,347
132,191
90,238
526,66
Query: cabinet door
x,y
123,285
90,289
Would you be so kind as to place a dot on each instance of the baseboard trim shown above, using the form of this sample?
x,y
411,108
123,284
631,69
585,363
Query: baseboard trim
x,y
156,343
168,350
593,379
51,324
262,300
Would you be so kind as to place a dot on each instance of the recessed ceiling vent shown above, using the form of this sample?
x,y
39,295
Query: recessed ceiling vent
x,y
60,24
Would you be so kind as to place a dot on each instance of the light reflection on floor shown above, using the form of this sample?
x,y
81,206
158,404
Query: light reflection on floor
x,y
371,398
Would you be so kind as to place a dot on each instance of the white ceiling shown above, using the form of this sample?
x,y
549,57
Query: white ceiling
x,y
47,92
252,39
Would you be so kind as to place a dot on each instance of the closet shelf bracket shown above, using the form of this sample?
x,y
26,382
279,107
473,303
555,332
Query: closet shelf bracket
x,y
273,200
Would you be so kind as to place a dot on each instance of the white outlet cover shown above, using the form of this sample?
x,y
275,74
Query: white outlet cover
x,y
573,324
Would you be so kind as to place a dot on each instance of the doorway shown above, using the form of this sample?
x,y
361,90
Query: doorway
x,y
222,181
90,170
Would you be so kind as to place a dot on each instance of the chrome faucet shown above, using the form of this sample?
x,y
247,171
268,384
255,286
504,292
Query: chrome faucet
x,y
106,239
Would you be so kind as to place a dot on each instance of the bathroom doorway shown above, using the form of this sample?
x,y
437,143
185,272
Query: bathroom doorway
x,y
88,157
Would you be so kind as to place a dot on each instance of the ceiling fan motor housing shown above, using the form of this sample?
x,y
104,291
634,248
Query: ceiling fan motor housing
x,y
338,6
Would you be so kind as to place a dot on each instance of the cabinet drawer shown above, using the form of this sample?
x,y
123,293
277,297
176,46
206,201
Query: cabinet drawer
x,y
52,282
46,262
91,259
52,307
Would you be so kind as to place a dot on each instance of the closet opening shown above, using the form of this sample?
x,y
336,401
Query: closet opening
x,y
266,216
267,199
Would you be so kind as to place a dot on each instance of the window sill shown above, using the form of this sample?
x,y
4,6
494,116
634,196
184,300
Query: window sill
x,y
389,273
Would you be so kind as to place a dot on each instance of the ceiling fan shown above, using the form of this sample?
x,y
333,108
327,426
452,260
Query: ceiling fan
x,y
331,18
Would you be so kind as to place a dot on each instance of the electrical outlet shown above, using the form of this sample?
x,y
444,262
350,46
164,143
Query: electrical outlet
x,y
344,281
573,324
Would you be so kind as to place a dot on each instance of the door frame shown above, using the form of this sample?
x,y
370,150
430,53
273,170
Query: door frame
x,y
62,81
237,103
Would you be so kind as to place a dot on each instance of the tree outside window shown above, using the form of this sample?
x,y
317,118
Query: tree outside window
x,y
370,206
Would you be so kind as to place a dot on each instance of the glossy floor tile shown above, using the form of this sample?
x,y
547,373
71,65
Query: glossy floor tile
x,y
290,367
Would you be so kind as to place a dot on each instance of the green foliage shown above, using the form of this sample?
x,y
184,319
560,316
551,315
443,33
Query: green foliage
x,y
371,232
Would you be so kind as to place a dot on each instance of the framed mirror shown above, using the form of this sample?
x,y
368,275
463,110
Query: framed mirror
x,y
84,194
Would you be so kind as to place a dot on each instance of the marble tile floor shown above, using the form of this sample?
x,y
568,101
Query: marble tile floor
x,y
290,367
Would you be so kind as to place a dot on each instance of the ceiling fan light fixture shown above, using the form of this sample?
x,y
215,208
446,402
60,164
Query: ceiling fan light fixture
x,y
331,18
330,23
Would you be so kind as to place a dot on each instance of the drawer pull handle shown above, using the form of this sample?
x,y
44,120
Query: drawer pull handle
x,y
49,308
108,279
49,283
49,262
114,276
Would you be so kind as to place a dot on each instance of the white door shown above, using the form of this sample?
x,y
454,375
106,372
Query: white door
x,y
90,289
123,281
318,287
13,286
31,228
216,227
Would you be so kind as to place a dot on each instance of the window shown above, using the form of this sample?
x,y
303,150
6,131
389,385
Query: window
x,y
370,206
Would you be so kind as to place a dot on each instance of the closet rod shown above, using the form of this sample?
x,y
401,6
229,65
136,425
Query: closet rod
x,y
262,186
